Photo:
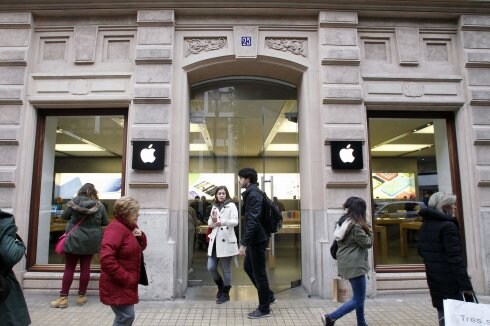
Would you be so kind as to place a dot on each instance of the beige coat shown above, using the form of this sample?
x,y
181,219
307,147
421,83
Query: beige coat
x,y
224,235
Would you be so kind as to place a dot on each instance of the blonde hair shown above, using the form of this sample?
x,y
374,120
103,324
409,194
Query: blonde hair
x,y
125,206
440,199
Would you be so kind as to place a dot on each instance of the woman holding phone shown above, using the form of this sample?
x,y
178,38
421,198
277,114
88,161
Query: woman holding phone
x,y
222,241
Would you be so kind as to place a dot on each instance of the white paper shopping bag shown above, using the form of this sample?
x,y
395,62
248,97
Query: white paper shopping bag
x,y
461,313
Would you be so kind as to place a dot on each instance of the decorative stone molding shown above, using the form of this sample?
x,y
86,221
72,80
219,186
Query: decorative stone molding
x,y
295,46
79,87
199,45
412,89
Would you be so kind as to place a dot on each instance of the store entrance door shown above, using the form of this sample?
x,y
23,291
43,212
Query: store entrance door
x,y
237,123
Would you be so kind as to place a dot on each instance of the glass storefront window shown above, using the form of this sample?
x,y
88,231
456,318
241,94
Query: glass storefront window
x,y
76,150
409,162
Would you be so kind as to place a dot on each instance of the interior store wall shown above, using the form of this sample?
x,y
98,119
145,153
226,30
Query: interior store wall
x,y
87,165
272,164
394,165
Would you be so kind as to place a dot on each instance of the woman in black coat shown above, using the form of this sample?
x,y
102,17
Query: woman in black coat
x,y
440,247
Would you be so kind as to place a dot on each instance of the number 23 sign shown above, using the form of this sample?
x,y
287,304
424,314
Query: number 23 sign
x,y
246,41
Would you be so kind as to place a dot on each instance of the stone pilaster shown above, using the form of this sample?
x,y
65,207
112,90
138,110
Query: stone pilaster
x,y
15,31
149,121
343,118
475,40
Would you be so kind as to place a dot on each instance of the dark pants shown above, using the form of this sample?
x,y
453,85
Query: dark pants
x,y
70,265
254,266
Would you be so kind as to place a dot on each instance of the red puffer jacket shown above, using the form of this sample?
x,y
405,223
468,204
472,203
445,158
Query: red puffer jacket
x,y
120,258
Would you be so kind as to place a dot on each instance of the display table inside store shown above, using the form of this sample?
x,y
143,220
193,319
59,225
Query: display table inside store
x,y
415,225
57,224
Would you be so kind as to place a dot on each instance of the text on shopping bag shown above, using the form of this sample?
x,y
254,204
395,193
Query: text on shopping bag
x,y
461,313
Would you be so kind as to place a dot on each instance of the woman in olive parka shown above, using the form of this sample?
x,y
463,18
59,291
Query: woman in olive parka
x,y
83,242
13,311
354,238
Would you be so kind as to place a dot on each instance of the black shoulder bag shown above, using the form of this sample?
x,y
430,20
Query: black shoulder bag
x,y
335,246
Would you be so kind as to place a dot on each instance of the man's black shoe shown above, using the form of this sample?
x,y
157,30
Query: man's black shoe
x,y
273,300
256,314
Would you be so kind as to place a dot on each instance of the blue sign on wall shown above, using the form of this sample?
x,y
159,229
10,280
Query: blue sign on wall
x,y
246,41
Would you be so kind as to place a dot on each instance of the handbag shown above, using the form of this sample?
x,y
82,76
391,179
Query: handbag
x,y
60,245
333,249
462,313
335,246
143,276
4,288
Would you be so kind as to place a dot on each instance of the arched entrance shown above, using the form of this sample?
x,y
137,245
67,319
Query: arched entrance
x,y
236,122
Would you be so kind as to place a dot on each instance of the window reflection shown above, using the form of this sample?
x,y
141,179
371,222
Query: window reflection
x,y
76,150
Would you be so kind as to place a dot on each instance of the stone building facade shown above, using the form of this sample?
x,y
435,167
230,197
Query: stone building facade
x,y
345,60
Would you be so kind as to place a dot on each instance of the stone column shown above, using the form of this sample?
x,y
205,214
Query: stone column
x,y
343,118
15,31
475,40
148,120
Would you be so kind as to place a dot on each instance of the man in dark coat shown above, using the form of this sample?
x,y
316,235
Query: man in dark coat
x,y
13,310
440,247
254,242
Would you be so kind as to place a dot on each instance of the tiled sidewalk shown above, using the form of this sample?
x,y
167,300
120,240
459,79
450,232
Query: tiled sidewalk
x,y
414,309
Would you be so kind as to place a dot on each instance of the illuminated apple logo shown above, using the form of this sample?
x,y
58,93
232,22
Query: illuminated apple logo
x,y
148,154
346,154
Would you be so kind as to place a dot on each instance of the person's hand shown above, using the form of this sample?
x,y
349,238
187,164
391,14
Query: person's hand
x,y
214,216
242,250
137,232
217,224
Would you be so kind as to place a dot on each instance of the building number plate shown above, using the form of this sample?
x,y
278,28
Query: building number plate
x,y
246,41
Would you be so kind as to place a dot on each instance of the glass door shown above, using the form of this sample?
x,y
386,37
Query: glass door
x,y
237,123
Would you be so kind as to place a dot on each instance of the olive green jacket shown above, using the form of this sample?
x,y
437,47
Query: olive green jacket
x,y
352,256
87,237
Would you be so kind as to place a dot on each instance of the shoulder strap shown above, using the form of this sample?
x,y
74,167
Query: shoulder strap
x,y
73,228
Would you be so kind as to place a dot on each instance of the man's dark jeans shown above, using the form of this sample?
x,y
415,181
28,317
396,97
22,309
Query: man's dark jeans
x,y
254,266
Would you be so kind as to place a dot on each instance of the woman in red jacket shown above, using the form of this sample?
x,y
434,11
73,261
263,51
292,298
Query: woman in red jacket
x,y
120,258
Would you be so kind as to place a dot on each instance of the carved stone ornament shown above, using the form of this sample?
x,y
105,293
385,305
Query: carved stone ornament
x,y
198,45
79,87
412,89
294,46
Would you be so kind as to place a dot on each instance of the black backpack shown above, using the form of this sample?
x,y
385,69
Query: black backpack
x,y
272,216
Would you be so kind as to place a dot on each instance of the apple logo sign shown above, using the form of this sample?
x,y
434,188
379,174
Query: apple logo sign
x,y
346,154
148,154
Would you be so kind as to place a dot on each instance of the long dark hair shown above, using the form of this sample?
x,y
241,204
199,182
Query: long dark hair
x,y
216,194
357,213
348,202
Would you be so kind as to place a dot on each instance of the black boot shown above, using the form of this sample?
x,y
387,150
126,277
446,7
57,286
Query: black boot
x,y
219,283
225,296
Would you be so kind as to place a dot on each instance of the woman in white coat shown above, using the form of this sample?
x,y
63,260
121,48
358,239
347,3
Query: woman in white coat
x,y
222,241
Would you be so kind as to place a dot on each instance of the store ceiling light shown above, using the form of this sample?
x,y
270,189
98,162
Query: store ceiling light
x,y
427,130
400,147
288,126
282,148
78,148
198,147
